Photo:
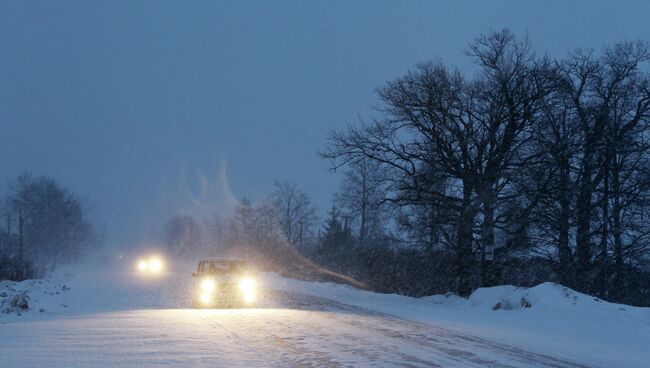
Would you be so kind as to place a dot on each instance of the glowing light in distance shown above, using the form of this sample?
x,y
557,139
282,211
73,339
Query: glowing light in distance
x,y
142,266
150,265
155,265
208,285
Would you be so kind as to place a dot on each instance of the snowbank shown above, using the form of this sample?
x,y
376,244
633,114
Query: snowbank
x,y
17,298
547,318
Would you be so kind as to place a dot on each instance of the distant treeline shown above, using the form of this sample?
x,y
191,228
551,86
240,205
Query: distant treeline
x,y
531,169
45,226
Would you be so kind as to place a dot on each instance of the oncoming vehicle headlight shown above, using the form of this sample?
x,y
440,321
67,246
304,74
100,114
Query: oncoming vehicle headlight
x,y
208,285
249,298
205,298
155,265
142,266
151,265
247,285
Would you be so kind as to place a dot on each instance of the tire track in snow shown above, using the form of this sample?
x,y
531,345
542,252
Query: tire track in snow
x,y
449,337
272,337
234,337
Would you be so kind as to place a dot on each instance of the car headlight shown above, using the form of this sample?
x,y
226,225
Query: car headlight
x,y
247,285
208,285
151,265
249,298
142,266
155,265
205,298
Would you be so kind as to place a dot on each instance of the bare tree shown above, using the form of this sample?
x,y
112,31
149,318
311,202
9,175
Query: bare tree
x,y
184,235
427,125
623,161
507,101
470,132
361,197
549,183
52,224
608,97
294,211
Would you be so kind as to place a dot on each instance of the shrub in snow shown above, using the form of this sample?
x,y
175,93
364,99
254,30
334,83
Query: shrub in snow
x,y
16,303
20,301
507,304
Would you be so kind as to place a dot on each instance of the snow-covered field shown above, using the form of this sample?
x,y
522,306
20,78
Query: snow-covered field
x,y
99,317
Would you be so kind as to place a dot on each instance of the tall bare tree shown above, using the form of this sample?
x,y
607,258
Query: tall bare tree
x,y
294,211
471,132
608,98
361,197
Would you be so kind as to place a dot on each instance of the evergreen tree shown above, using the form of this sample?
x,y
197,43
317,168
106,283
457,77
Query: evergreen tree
x,y
337,246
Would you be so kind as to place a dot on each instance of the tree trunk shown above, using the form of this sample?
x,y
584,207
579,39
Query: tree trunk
x,y
364,206
488,276
617,232
433,225
464,254
604,237
564,250
583,220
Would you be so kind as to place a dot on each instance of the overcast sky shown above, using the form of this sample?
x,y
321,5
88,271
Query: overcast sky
x,y
148,109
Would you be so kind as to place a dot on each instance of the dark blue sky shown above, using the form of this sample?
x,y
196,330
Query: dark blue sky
x,y
140,106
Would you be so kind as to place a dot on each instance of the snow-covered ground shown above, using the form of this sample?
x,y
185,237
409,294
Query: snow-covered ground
x,y
111,317
547,318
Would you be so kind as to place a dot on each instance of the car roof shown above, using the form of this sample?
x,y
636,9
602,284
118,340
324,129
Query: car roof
x,y
223,260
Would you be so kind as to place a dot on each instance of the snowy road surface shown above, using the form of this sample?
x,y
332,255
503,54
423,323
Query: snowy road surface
x,y
102,318
311,333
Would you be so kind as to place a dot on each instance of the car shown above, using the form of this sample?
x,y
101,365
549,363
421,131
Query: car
x,y
224,282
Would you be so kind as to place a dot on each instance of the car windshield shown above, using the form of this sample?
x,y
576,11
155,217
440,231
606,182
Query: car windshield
x,y
221,267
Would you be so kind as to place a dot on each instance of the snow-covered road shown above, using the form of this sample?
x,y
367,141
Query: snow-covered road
x,y
107,317
312,333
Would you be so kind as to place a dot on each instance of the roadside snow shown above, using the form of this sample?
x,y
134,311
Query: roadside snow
x,y
76,290
39,296
547,318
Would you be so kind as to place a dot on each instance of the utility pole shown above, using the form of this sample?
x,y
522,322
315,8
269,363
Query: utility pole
x,y
301,223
